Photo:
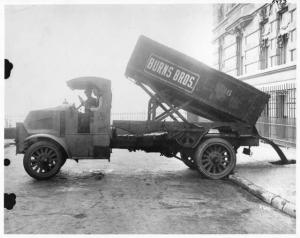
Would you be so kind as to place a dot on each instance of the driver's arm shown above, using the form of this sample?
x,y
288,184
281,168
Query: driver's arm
x,y
81,102
100,101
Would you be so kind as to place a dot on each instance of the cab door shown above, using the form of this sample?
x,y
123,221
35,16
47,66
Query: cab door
x,y
78,134
100,126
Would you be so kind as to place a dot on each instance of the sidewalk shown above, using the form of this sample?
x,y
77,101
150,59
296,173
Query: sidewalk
x,y
277,179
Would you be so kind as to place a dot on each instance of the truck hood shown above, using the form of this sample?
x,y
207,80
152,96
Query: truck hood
x,y
45,119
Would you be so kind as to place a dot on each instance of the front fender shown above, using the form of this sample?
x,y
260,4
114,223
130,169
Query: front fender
x,y
58,140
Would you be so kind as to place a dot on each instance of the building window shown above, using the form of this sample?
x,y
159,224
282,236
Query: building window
x,y
293,16
280,105
239,57
220,12
283,34
264,54
272,44
282,41
220,53
293,35
273,61
285,102
265,112
272,26
264,42
293,55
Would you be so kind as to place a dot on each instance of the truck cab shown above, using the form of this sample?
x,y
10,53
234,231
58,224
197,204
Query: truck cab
x,y
66,131
88,133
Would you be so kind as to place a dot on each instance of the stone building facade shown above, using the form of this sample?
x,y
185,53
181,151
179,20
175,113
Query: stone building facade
x,y
257,44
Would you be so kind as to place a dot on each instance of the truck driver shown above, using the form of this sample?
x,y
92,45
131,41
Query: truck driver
x,y
90,102
99,99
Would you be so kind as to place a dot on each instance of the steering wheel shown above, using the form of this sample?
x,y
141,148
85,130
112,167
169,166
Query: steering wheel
x,y
81,102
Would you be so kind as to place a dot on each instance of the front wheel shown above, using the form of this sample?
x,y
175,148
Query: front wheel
x,y
215,158
43,160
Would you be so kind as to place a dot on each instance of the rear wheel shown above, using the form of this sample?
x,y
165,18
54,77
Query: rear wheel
x,y
215,158
43,160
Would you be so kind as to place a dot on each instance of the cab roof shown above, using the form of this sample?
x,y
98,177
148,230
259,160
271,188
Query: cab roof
x,y
82,83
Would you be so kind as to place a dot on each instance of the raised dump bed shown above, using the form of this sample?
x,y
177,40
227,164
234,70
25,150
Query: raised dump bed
x,y
196,87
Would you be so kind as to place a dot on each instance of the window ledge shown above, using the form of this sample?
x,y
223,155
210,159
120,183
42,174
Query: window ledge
x,y
272,70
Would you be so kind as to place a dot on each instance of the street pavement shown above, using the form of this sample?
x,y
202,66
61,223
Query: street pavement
x,y
136,192
277,179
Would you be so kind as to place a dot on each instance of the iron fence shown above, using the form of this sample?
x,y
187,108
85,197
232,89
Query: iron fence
x,y
278,120
133,116
10,121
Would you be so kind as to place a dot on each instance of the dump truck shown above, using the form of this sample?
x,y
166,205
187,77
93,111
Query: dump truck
x,y
175,83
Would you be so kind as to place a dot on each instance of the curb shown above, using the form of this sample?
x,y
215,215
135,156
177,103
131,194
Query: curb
x,y
272,199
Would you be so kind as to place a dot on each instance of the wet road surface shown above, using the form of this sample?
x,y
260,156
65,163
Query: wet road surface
x,y
134,193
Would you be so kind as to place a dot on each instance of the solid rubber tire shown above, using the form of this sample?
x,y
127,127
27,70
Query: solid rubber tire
x,y
31,149
201,149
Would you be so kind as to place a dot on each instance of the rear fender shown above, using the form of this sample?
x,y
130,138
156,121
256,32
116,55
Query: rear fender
x,y
38,137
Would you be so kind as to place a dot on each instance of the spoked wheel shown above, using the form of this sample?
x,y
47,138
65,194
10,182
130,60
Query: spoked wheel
x,y
43,160
188,160
215,158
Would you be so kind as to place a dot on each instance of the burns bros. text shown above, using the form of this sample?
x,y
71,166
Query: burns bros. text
x,y
174,74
